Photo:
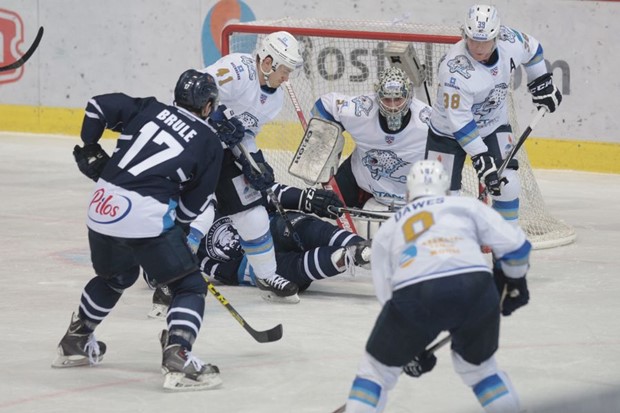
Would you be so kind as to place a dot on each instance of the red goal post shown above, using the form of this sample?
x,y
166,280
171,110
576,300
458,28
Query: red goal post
x,y
346,56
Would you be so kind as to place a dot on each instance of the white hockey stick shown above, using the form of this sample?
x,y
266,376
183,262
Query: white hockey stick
x,y
345,221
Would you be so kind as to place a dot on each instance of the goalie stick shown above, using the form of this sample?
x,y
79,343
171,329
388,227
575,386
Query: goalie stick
x,y
484,192
267,336
20,62
345,221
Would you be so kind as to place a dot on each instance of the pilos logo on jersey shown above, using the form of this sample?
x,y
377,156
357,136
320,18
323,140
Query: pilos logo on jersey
x,y
106,208
11,36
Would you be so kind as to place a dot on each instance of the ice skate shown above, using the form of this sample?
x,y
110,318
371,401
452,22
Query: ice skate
x,y
359,255
184,372
278,289
162,298
78,349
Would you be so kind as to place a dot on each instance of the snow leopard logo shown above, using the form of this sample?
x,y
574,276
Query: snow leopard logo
x,y
223,240
492,101
362,104
249,121
506,34
250,64
383,164
425,115
461,65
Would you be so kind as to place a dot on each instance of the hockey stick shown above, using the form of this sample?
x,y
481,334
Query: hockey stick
x,y
363,214
432,349
267,336
274,199
484,193
344,221
20,62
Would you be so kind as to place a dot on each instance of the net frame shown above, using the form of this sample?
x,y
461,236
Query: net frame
x,y
366,40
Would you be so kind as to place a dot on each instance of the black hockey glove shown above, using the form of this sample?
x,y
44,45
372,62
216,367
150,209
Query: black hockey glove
x,y
91,159
259,180
544,93
484,164
230,131
318,201
421,364
517,295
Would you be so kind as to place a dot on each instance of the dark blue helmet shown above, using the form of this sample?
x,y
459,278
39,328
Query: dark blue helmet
x,y
194,90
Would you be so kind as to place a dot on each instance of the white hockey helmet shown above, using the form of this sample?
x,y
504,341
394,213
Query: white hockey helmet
x,y
394,94
427,177
283,49
482,23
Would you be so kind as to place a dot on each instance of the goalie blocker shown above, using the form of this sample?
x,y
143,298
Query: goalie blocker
x,y
318,155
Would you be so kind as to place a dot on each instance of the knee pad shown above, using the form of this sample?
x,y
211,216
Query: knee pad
x,y
193,283
122,281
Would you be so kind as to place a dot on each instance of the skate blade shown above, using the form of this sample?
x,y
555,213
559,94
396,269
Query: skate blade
x,y
178,382
63,361
274,298
158,312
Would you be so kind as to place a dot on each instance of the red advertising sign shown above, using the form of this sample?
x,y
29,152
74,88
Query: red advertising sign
x,y
11,38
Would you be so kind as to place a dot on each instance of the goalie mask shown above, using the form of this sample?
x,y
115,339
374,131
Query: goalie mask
x,y
482,23
427,177
394,94
283,49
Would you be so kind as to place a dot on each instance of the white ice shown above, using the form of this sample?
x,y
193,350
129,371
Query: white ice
x,y
562,348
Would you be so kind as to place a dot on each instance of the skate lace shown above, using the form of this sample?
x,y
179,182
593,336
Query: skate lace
x,y
349,260
196,363
278,282
92,350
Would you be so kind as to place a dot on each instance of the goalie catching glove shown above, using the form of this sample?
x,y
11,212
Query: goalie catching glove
x,y
230,130
318,201
90,159
544,93
421,364
484,164
262,180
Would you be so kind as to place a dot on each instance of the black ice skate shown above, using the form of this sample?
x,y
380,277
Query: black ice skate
x,y
184,372
77,348
278,289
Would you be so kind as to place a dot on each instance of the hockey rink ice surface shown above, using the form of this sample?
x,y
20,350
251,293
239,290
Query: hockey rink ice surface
x,y
562,351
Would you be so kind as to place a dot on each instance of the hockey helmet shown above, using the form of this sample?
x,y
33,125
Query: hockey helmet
x,y
482,23
194,90
427,177
283,49
394,94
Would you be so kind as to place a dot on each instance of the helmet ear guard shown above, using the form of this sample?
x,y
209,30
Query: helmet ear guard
x,y
194,90
482,23
427,177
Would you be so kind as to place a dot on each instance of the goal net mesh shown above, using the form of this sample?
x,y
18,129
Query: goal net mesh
x,y
346,56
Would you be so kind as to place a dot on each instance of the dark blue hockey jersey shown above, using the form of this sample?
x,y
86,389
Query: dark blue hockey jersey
x,y
165,166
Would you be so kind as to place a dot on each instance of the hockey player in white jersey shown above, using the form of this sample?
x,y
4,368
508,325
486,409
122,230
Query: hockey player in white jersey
x,y
250,86
430,276
389,128
470,114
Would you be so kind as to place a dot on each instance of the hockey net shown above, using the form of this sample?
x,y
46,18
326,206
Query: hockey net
x,y
346,57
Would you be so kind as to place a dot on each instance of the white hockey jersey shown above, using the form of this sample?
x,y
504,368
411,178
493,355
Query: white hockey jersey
x,y
380,161
240,90
472,97
435,237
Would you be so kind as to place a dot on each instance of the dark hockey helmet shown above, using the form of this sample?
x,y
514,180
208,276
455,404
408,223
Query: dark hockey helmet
x,y
194,90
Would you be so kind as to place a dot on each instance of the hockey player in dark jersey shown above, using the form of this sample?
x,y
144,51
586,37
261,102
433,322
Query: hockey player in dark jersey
x,y
159,179
328,250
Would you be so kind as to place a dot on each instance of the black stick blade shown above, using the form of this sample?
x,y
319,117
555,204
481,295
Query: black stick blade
x,y
20,62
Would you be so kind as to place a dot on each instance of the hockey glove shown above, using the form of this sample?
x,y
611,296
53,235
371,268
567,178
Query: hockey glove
x,y
318,201
484,164
230,131
193,239
90,159
421,364
517,295
544,93
259,180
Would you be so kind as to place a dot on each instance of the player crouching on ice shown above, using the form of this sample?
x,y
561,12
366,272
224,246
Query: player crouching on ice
x,y
430,276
